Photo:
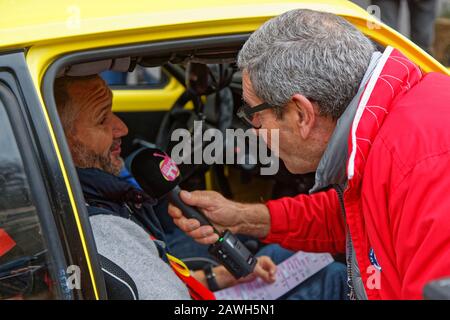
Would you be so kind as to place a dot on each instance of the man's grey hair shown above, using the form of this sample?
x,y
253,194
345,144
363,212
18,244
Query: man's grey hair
x,y
319,55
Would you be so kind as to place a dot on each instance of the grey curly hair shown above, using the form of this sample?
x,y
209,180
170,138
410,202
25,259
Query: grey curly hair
x,y
319,55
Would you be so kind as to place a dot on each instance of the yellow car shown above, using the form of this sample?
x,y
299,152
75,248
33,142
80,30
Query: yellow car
x,y
45,236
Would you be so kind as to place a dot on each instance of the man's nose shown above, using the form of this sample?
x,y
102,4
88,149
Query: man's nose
x,y
120,129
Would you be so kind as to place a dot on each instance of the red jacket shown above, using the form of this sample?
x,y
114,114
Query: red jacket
x,y
397,200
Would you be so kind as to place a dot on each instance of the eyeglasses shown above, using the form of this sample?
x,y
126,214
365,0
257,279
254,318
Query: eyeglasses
x,y
246,113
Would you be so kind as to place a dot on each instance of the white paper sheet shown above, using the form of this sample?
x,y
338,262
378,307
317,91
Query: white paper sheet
x,y
290,273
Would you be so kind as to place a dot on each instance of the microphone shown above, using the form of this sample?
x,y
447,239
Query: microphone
x,y
158,175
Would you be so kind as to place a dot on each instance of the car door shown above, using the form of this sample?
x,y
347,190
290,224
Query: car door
x,y
42,253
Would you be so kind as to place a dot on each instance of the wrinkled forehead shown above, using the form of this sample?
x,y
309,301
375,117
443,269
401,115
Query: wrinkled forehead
x,y
90,93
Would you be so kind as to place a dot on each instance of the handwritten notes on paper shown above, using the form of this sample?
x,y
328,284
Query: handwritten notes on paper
x,y
290,273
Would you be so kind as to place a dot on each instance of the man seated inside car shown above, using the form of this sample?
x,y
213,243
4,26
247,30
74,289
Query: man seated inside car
x,y
122,217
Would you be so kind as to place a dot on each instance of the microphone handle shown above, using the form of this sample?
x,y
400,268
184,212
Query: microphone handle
x,y
188,211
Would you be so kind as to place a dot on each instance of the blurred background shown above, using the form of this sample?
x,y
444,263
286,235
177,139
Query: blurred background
x,y
425,22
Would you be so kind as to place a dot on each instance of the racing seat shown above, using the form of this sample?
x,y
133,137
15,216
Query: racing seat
x,y
119,285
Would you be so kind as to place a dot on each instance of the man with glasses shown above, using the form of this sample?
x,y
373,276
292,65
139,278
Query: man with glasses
x,y
375,130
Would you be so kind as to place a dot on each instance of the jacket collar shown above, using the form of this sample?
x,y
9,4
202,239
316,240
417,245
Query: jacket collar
x,y
331,168
389,75
394,76
98,184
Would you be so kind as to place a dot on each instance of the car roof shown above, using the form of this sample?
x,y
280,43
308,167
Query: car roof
x,y
27,22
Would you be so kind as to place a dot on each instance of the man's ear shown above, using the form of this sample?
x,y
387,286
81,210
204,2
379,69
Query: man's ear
x,y
306,115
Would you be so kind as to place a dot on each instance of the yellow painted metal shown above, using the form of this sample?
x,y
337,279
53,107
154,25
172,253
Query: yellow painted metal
x,y
160,99
28,22
208,180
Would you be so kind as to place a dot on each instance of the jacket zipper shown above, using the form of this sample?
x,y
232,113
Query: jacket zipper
x,y
349,244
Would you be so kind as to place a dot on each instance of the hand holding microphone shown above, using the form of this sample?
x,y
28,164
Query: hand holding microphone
x,y
223,213
158,175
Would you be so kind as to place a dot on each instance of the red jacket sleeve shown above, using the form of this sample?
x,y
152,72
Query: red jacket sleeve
x,y
310,223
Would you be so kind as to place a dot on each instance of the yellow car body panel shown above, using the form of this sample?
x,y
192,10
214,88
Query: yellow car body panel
x,y
57,27
137,100
53,28
29,22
